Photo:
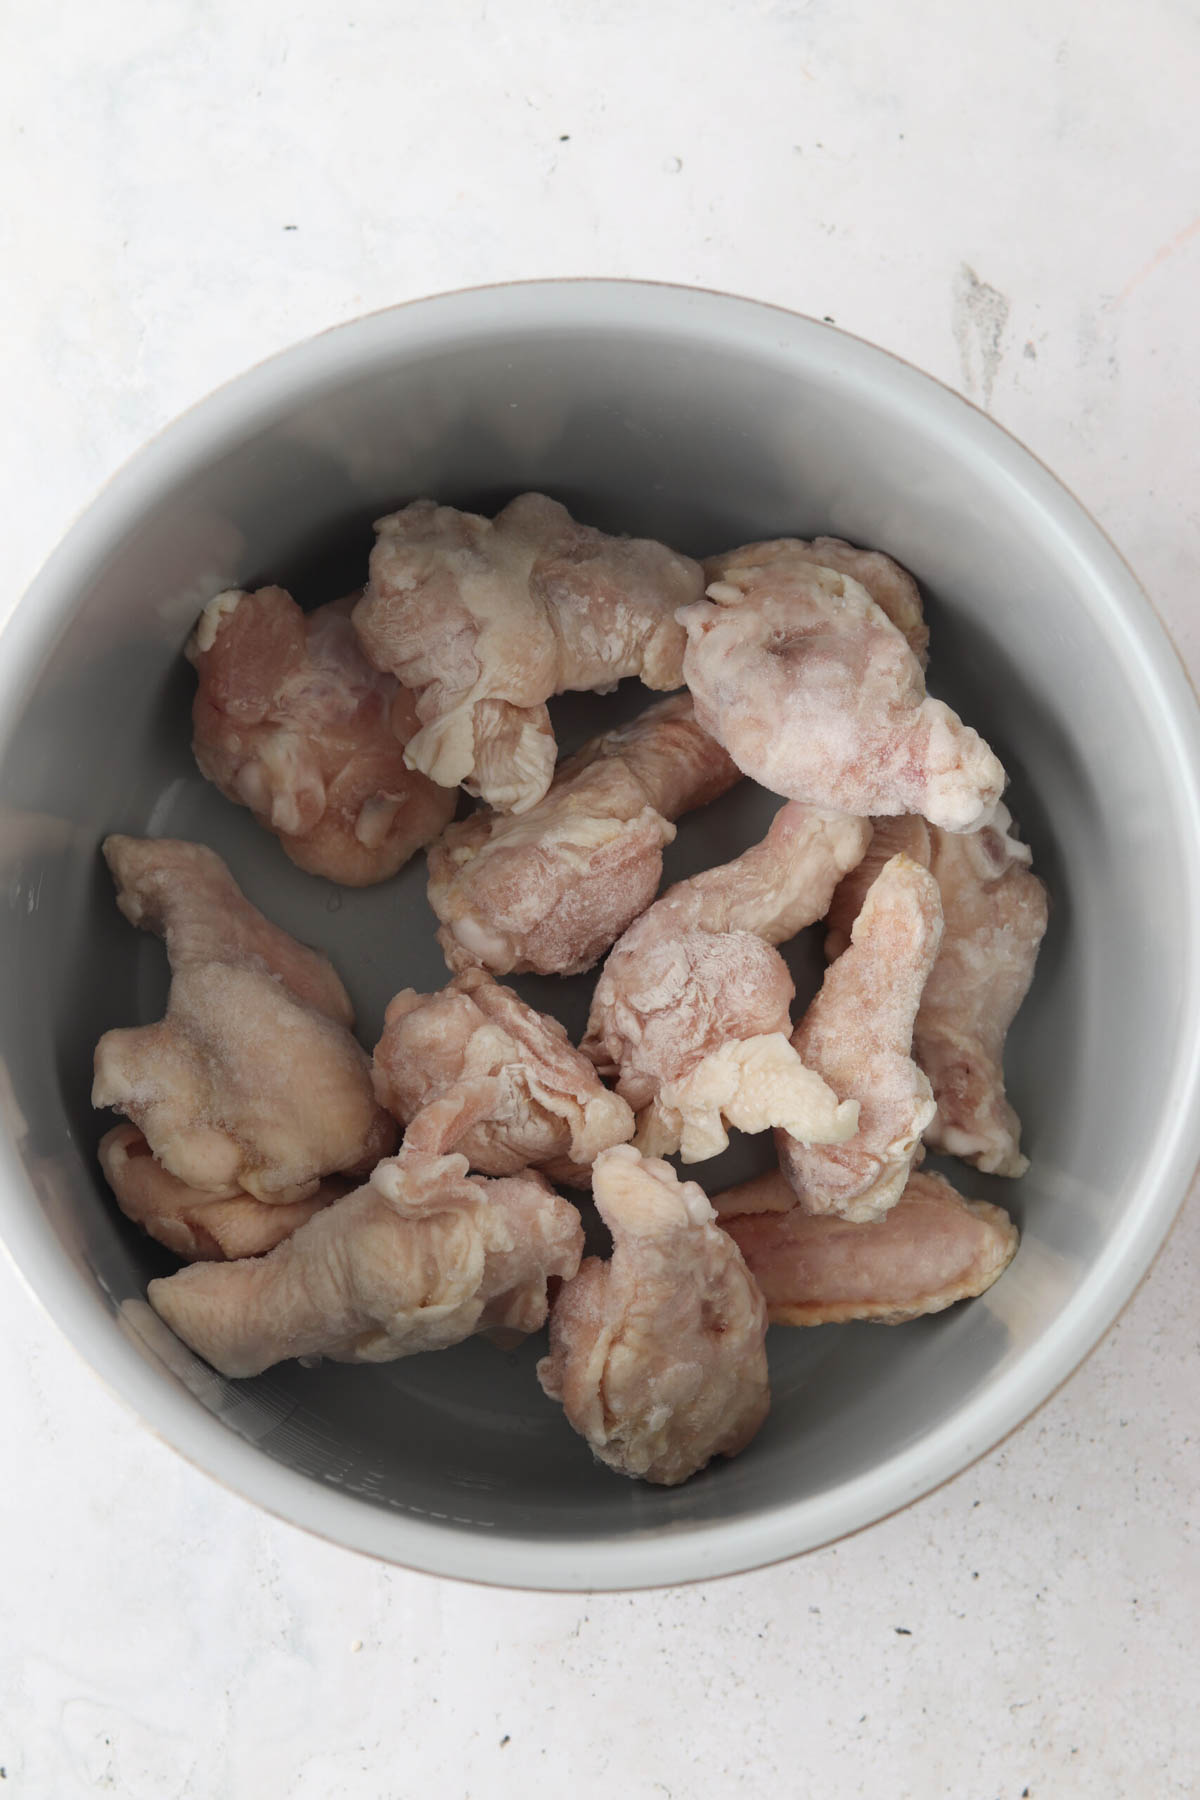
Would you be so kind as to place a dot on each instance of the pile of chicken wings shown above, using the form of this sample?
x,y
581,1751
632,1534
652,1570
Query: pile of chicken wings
x,y
330,1203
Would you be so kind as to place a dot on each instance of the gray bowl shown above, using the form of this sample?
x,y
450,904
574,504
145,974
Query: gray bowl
x,y
705,421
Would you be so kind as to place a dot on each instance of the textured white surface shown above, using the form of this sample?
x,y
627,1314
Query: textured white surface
x,y
1010,196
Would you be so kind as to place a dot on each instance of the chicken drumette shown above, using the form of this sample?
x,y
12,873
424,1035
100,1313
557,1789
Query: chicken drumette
x,y
474,1069
932,1249
657,1355
551,890
691,1011
857,1034
252,1083
995,917
816,694
291,720
486,618
421,1257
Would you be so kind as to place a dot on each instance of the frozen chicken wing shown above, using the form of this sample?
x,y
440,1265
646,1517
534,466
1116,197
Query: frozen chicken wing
x,y
932,1249
197,1226
252,1082
421,1257
996,914
857,1035
292,721
816,694
691,1011
485,619
184,893
474,1069
551,890
657,1355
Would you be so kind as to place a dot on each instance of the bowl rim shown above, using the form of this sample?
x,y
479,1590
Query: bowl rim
x,y
438,1544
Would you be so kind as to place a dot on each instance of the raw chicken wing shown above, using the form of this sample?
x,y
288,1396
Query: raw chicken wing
x,y
551,890
474,1069
817,695
291,720
252,1083
857,1034
198,1226
932,1249
486,618
995,916
691,1011
658,1355
419,1258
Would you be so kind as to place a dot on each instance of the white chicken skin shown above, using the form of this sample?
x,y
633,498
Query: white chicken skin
x,y
858,1035
551,890
252,1082
485,619
658,1354
474,1069
421,1257
816,694
291,720
995,912
691,1011
932,1249
198,1227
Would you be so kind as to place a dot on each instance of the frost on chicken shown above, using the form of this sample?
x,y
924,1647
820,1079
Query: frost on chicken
x,y
932,1249
292,721
691,1011
858,1035
817,694
485,619
198,1227
995,914
252,1083
474,1069
419,1258
551,890
658,1355
891,588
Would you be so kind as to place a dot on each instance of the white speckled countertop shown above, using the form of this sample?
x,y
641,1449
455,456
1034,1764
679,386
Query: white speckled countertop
x,y
1009,195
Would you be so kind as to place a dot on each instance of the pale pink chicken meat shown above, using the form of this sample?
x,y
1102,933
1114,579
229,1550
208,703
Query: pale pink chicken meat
x,y
932,1249
905,834
421,1257
691,1011
857,1034
252,1082
551,890
485,619
197,1226
995,913
657,1355
891,587
817,695
474,1069
292,721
